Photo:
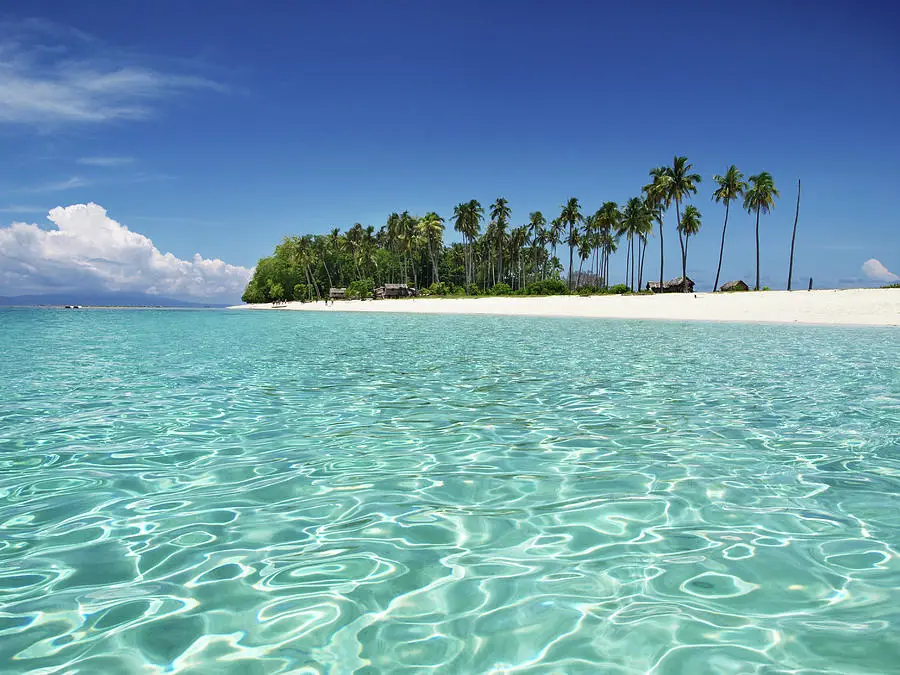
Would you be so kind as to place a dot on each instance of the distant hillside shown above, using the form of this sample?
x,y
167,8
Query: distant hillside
x,y
100,299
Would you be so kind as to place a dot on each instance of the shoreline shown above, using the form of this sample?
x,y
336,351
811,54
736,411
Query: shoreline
x,y
850,307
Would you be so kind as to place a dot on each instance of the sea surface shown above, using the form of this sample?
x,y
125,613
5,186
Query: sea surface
x,y
234,492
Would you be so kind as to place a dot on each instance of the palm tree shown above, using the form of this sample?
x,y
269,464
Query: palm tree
x,y
460,224
500,218
635,221
760,197
682,184
536,225
431,229
731,186
690,225
518,240
571,215
607,219
554,236
657,193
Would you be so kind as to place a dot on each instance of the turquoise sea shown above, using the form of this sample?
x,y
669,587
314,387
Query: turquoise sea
x,y
237,492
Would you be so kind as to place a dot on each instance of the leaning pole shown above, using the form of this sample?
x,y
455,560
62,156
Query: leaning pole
x,y
794,236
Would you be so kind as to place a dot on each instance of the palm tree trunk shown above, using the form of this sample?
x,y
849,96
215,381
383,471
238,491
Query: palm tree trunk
x,y
641,253
722,248
661,254
632,261
681,243
570,256
627,261
756,288
794,236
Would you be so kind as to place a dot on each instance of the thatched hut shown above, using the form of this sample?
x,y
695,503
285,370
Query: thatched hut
x,y
395,291
676,285
337,294
732,286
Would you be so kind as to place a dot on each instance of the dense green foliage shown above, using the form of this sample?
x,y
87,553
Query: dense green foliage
x,y
504,258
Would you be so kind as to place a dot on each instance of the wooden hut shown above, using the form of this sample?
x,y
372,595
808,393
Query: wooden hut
x,y
337,294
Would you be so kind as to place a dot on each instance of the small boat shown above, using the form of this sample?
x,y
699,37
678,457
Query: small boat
x,y
73,306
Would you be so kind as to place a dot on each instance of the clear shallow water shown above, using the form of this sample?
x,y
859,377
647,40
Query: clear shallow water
x,y
241,492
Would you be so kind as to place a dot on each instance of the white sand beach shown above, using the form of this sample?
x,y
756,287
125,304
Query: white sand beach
x,y
861,307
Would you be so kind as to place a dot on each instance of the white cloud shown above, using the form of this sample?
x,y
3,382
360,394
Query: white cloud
x,y
105,161
87,250
873,269
68,184
50,75
19,208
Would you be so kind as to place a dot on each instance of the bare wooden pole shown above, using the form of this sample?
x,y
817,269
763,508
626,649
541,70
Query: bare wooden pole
x,y
794,236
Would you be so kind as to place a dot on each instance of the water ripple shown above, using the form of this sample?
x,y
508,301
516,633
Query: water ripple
x,y
220,492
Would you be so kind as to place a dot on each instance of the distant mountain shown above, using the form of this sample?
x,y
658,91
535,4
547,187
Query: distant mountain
x,y
100,299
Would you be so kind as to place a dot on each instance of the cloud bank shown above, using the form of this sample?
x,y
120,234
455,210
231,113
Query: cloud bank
x,y
90,251
873,269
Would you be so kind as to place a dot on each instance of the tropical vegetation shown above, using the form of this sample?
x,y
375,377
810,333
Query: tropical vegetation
x,y
505,254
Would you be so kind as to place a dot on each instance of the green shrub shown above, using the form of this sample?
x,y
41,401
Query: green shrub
x,y
362,289
590,290
301,292
501,289
440,288
472,289
619,289
897,285
766,288
547,287
274,291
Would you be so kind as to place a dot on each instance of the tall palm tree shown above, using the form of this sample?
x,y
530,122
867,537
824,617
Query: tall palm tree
x,y
518,240
682,184
461,225
500,214
652,213
474,214
760,197
607,219
657,193
731,186
554,236
536,225
584,252
690,225
635,221
571,216
431,229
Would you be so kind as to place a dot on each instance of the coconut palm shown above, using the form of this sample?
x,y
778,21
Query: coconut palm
x,y
690,225
657,194
500,218
554,236
635,222
682,184
731,186
571,216
536,225
760,197
431,230
607,220
460,224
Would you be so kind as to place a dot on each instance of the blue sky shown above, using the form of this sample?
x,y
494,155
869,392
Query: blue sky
x,y
217,128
